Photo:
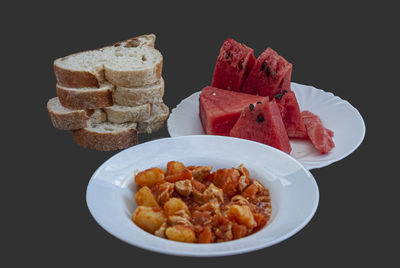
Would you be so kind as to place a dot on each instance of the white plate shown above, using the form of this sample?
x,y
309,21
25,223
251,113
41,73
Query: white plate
x,y
294,192
335,113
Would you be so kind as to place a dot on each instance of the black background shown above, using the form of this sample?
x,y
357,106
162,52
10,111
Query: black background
x,y
349,49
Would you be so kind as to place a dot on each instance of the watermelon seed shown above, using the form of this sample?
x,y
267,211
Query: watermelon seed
x,y
268,71
263,66
228,55
260,118
258,102
251,107
280,95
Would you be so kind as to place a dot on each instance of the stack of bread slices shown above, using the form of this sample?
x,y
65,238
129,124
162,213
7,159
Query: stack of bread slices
x,y
109,95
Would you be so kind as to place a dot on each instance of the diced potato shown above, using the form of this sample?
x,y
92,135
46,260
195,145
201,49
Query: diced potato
x,y
183,175
144,197
181,233
150,176
149,218
175,204
243,215
174,167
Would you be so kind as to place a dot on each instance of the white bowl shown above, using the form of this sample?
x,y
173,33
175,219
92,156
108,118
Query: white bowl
x,y
294,192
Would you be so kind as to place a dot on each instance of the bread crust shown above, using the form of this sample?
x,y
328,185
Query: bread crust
x,y
75,79
80,79
85,99
105,141
70,121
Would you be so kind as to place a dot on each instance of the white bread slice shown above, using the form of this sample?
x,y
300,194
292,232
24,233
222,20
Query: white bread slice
x,y
129,63
86,98
97,116
159,114
106,136
139,95
123,114
66,119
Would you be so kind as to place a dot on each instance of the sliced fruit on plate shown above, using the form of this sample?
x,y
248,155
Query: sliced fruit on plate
x,y
220,109
320,136
234,63
262,122
269,76
290,113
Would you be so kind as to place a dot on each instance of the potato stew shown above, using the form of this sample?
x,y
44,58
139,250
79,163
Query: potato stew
x,y
195,205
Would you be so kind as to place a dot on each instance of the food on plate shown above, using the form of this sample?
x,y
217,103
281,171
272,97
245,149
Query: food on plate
x,y
234,63
262,122
220,109
320,136
122,82
205,207
269,76
290,113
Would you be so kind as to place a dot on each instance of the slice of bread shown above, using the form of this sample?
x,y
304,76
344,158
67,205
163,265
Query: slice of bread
x,y
66,119
159,114
97,116
86,98
134,96
129,63
106,136
123,114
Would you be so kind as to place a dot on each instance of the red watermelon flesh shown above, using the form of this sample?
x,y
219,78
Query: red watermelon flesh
x,y
234,63
269,76
262,123
290,113
320,137
220,109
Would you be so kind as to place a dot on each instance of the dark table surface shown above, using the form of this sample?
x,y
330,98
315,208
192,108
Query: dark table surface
x,y
349,49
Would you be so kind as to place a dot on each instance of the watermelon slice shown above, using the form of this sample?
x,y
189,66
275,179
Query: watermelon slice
x,y
320,136
234,63
290,113
220,109
269,76
262,123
